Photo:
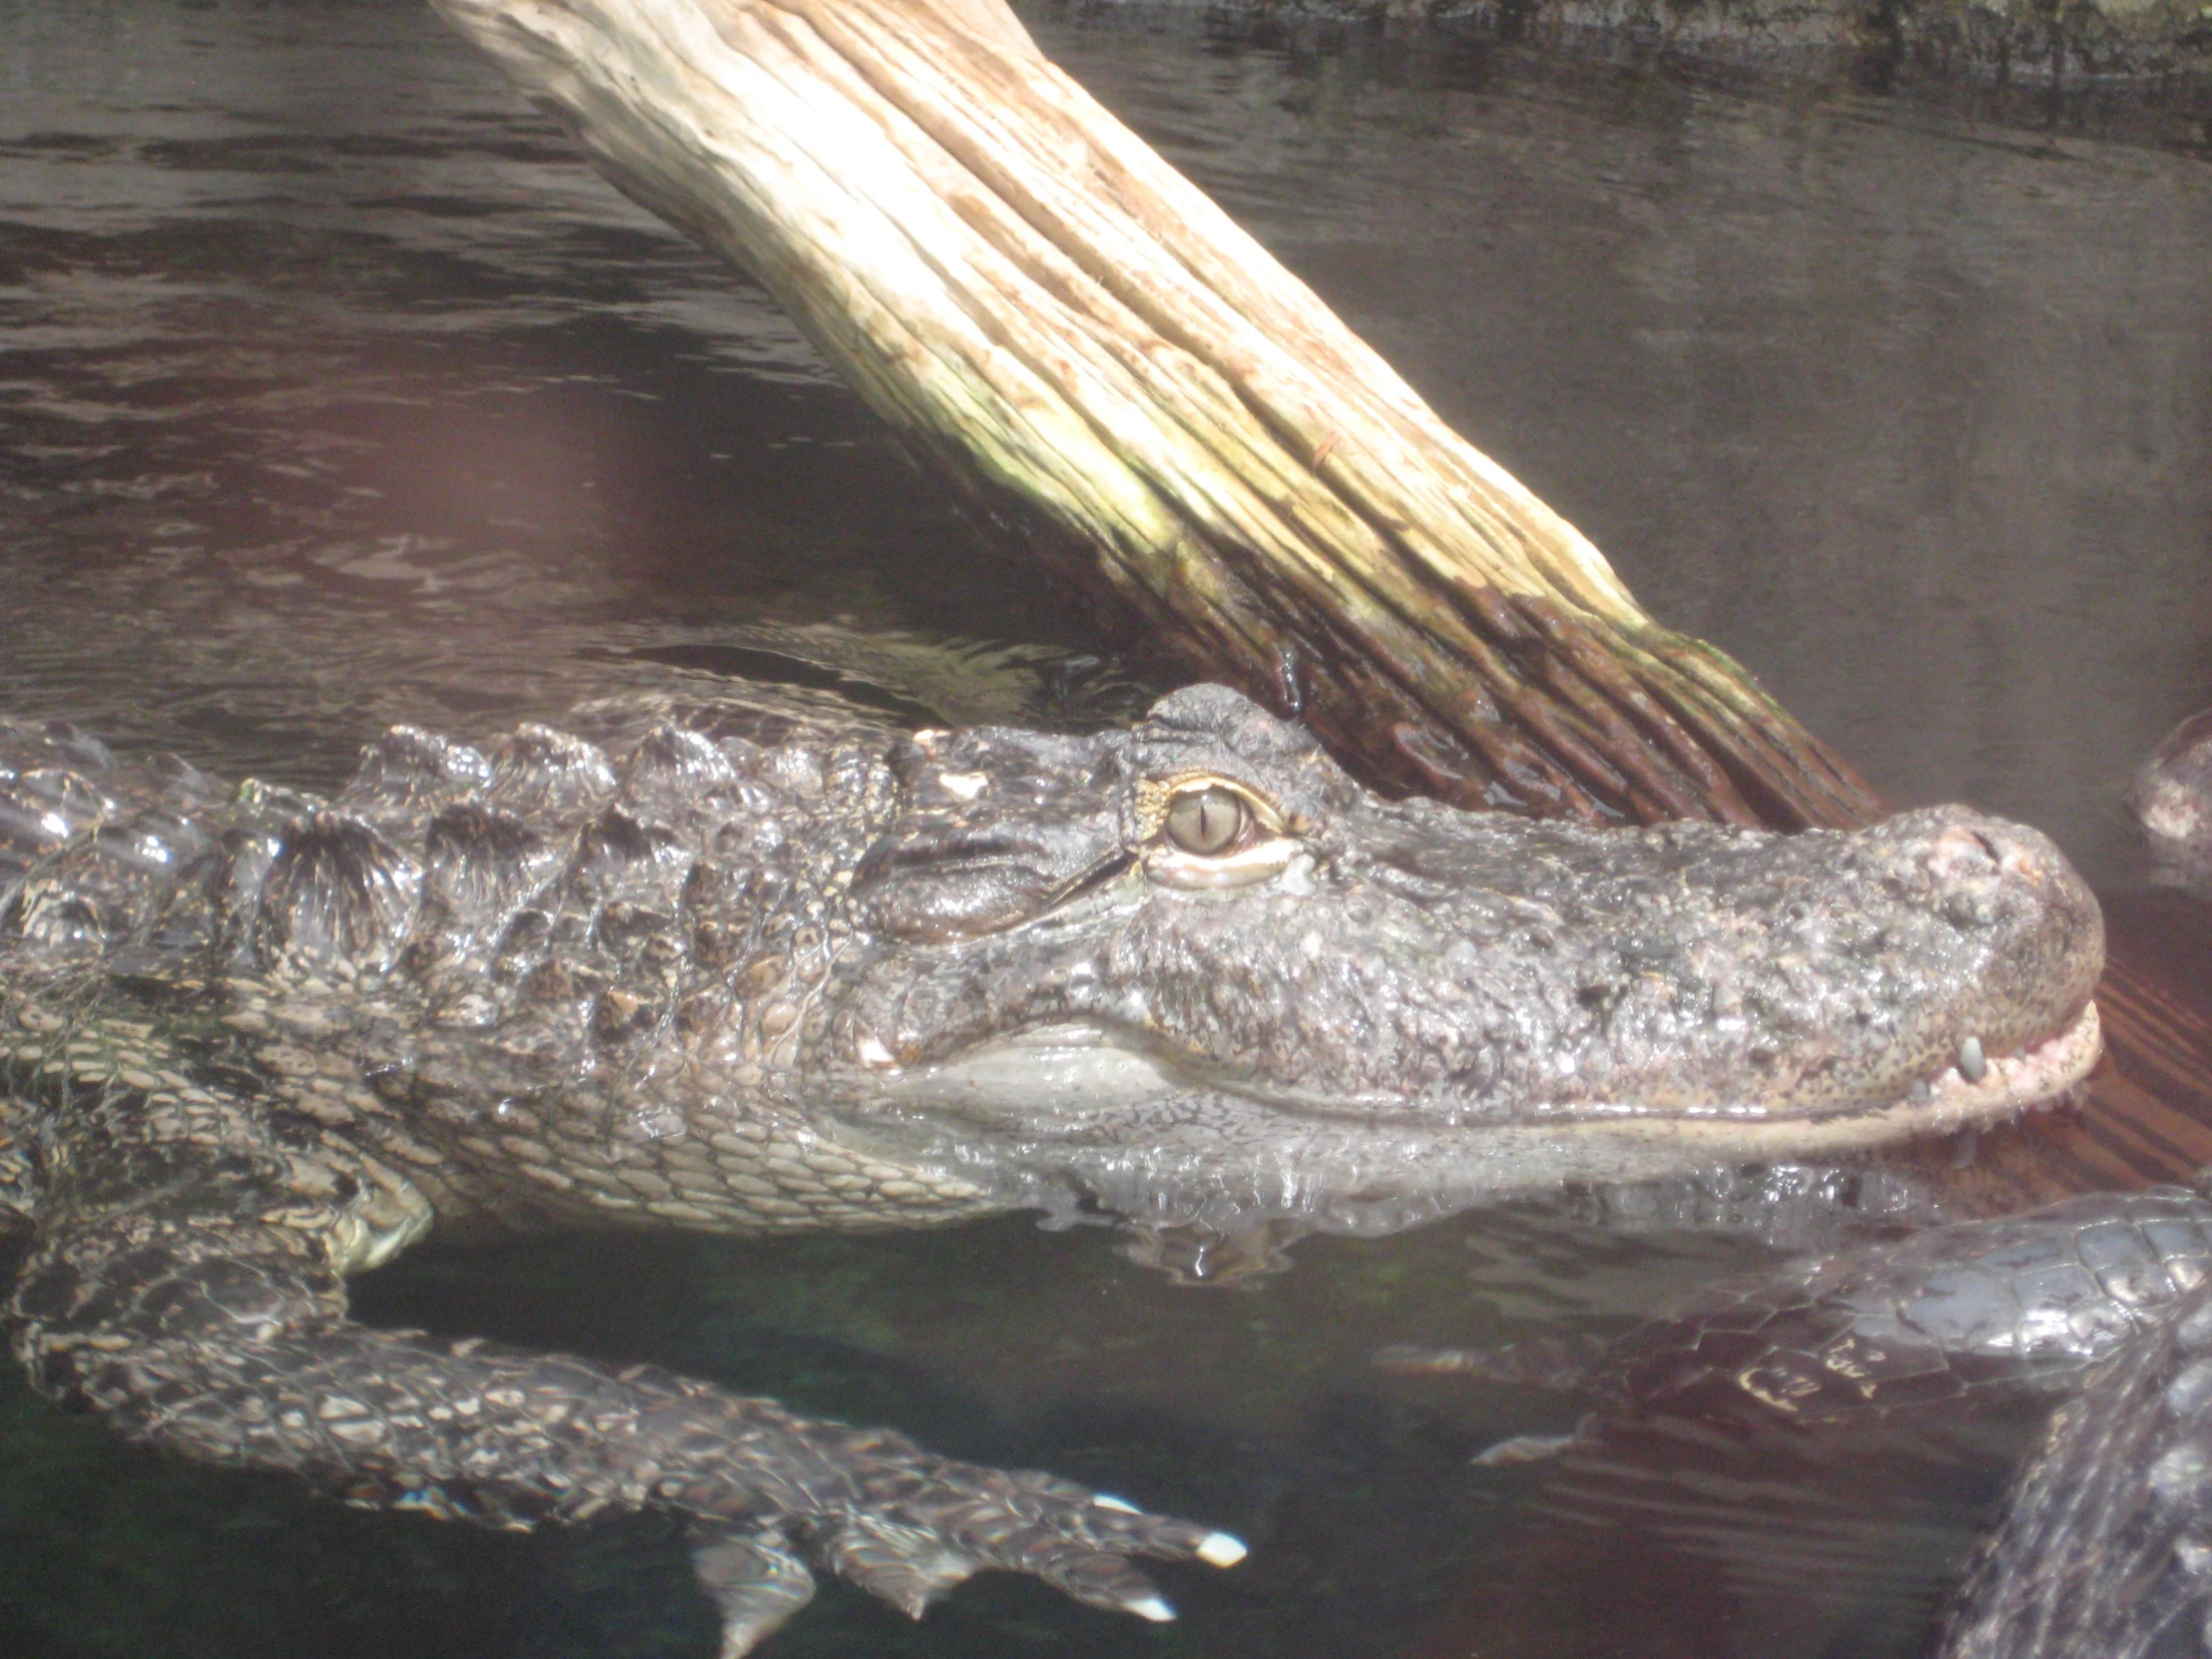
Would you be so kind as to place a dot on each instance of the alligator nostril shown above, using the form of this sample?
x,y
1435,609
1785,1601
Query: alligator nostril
x,y
1968,855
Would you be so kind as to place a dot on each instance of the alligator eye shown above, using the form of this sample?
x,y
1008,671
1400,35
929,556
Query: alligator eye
x,y
1206,822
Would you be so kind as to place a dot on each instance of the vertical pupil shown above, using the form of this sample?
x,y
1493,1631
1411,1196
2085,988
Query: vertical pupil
x,y
1205,820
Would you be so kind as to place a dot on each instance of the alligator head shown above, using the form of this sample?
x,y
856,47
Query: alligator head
x,y
1193,972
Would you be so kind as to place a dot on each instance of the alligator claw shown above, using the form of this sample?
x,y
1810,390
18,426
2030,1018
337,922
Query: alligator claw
x,y
931,1523
955,1520
899,1522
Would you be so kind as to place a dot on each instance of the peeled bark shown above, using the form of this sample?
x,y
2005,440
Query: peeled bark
x,y
1035,300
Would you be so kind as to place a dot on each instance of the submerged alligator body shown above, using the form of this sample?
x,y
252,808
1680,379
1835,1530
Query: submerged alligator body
x,y
703,968
2105,1547
1972,1307
2106,1543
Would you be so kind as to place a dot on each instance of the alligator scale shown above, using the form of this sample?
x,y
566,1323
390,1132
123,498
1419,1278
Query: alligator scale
x,y
705,966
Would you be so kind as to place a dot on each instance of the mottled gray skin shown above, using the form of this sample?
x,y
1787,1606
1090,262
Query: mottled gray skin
x,y
2171,797
727,973
2105,1549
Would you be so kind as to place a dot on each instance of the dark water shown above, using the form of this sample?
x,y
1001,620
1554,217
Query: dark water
x,y
335,391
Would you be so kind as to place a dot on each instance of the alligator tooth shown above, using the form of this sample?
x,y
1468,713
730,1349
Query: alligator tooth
x,y
1922,1091
1152,1607
872,1052
1972,1066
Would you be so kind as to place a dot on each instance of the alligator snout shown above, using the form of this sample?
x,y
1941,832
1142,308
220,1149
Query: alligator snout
x,y
2030,937
1487,971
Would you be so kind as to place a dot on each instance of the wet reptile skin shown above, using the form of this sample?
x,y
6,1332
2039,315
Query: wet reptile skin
x,y
717,972
2028,1302
2105,1547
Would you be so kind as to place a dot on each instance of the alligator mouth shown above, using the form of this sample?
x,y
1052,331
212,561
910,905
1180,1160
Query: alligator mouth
x,y
2039,1075
1082,1121
1076,1071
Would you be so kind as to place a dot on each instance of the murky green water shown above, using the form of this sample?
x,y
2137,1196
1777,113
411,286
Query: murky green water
x,y
335,391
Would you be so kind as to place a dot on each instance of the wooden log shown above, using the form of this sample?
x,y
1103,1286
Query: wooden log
x,y
1038,302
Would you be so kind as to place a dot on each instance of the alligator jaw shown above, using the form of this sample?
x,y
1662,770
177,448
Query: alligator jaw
x,y
1075,1120
1077,1070
2039,1075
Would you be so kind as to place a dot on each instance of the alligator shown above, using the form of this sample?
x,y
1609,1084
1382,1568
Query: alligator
x,y
2105,1547
712,964
2105,1299
1963,1311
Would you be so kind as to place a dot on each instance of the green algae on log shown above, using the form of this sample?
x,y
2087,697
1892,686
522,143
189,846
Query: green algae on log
x,y
1038,302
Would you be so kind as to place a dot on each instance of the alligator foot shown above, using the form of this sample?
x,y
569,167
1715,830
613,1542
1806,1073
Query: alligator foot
x,y
227,1341
758,1577
908,1526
